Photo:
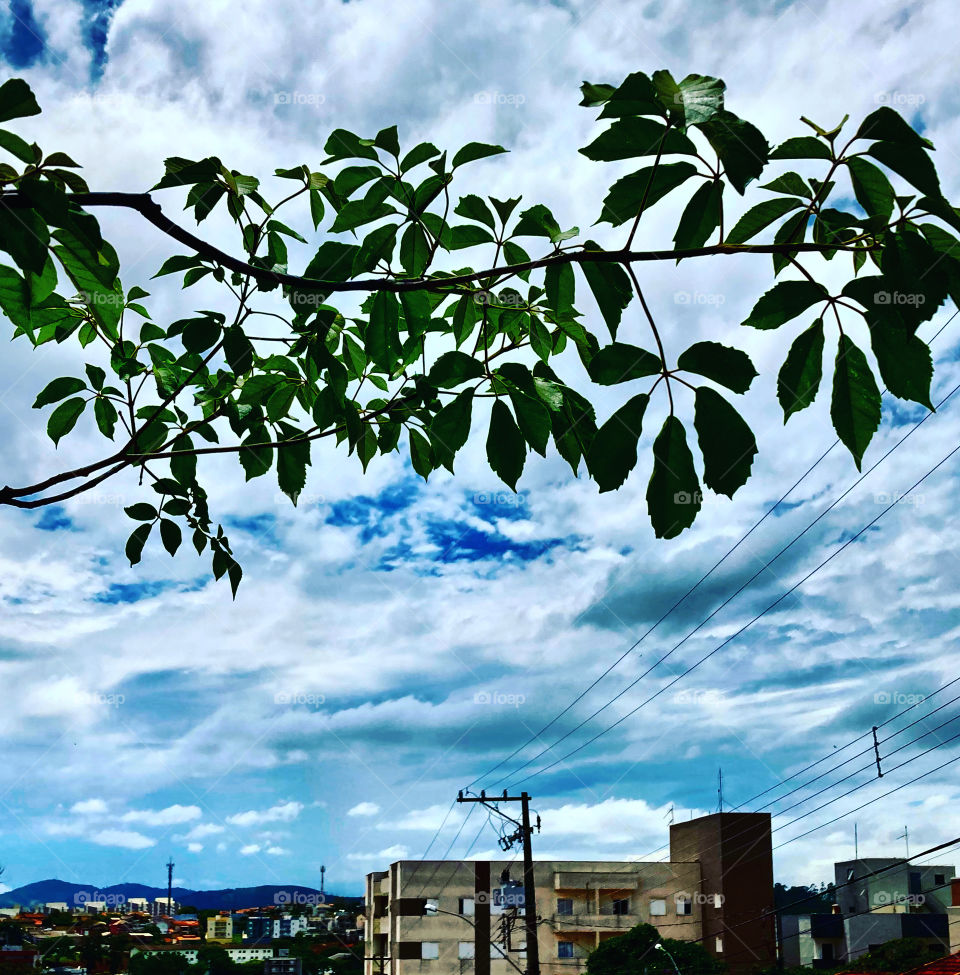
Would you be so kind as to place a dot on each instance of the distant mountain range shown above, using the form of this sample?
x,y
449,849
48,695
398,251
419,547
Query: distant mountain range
x,y
267,895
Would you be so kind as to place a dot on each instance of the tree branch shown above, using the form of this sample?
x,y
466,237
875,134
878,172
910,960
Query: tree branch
x,y
147,208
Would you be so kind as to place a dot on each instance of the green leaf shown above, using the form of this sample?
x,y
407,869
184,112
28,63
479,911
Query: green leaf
x,y
416,311
610,286
726,442
17,100
783,302
906,365
760,216
238,349
790,183
872,189
468,235
475,150
515,254
910,162
453,368
16,146
619,363
170,535
559,282
316,208
200,334
533,417
537,221
636,95
141,511
613,452
450,428
64,418
418,154
292,461
631,137
24,236
388,140
855,406
179,262
623,201
421,454
506,447
701,98
887,125
673,494
742,148
135,543
414,250
105,413
721,363
367,445
801,147
343,144
377,246
332,262
58,389
799,377
473,208
256,460
701,216
594,95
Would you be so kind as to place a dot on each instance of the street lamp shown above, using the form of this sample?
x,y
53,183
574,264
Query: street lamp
x,y
660,947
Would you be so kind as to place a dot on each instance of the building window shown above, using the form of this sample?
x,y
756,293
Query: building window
x,y
565,905
466,949
939,879
826,952
429,950
719,945
849,873
467,908
684,906
564,949
622,906
496,951
658,907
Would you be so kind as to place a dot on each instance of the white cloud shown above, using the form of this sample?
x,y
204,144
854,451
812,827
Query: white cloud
x,y
128,839
283,812
195,847
364,809
90,807
199,832
170,816
250,849
387,856
277,851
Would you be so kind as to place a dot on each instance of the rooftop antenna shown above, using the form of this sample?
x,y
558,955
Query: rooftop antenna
x,y
720,790
905,836
856,851
323,870
170,866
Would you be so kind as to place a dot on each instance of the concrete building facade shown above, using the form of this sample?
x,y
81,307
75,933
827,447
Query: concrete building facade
x,y
436,917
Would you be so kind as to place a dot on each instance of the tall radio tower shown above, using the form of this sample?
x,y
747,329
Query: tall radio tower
x,y
170,866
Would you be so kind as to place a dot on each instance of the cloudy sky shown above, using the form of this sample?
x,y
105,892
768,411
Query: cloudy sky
x,y
392,641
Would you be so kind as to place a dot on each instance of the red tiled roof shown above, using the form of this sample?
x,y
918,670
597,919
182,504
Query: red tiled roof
x,y
948,965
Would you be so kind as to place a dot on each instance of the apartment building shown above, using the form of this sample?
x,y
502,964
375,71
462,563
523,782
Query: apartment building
x,y
878,900
438,917
220,927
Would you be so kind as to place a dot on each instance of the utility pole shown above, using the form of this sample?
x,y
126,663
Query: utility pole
x,y
523,833
856,845
720,790
170,866
323,871
905,836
